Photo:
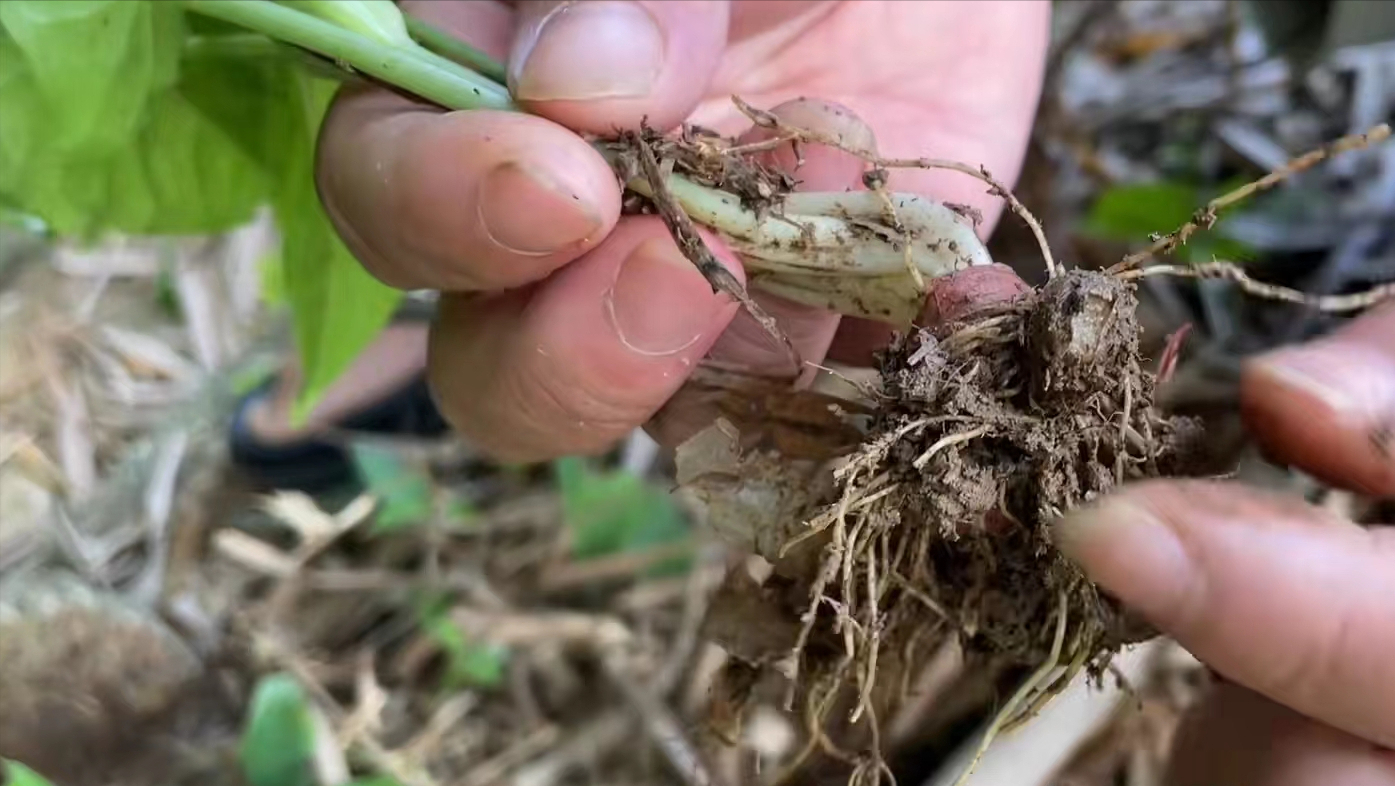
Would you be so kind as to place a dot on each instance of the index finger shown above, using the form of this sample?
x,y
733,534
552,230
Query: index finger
x,y
1280,596
1328,407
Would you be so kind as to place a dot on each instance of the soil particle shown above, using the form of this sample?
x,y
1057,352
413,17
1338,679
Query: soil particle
x,y
1082,333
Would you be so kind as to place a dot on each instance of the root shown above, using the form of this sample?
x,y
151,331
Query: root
x,y
944,442
1024,694
1206,217
786,132
982,438
981,435
1053,689
685,234
1229,271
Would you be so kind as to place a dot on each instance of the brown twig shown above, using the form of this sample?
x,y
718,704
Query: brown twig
x,y
765,119
524,750
1332,304
626,565
1206,217
660,724
586,744
685,234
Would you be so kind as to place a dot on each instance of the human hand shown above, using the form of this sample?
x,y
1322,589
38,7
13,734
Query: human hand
x,y
1292,605
562,325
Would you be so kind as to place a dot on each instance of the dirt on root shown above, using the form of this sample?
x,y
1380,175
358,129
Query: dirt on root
x,y
985,432
996,429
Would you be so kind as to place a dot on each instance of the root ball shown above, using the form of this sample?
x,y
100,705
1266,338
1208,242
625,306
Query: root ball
x,y
986,432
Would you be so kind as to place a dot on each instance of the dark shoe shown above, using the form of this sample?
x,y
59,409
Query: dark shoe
x,y
316,466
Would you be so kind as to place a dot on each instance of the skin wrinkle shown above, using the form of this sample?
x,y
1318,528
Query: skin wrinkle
x,y
548,398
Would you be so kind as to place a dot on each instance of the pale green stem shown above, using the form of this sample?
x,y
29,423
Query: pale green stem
x,y
452,48
418,70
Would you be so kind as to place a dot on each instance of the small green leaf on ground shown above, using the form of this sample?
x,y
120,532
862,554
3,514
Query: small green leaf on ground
x,y
403,491
460,512
278,740
468,664
1133,212
17,774
613,511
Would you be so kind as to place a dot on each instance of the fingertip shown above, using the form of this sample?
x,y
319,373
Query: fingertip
x,y
1273,593
1127,544
1328,408
608,64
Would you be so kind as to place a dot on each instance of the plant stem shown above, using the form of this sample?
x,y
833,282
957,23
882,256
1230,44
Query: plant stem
x,y
452,48
419,71
246,45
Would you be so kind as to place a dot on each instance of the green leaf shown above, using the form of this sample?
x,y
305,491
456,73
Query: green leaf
x,y
278,743
94,135
17,774
404,493
460,511
96,64
468,664
175,173
378,19
1131,213
338,307
615,511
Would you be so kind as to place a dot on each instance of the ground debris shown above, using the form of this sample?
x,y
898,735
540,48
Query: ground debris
x,y
709,159
97,690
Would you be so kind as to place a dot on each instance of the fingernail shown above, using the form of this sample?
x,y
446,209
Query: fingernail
x,y
512,198
580,51
659,303
1129,552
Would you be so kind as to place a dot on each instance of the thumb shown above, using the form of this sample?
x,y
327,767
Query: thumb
x,y
1274,594
606,64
